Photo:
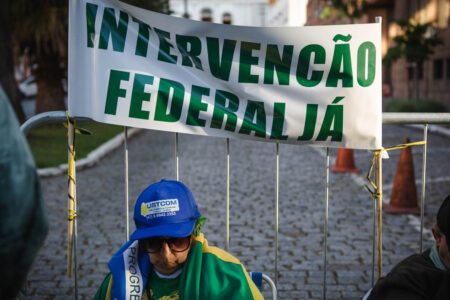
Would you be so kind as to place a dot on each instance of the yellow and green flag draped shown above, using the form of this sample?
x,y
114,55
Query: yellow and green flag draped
x,y
209,273
212,273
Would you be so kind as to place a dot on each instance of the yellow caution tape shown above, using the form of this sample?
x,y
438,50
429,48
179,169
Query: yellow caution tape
x,y
375,193
78,130
402,146
72,214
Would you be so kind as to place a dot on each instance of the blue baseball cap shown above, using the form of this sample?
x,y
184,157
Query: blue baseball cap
x,y
165,208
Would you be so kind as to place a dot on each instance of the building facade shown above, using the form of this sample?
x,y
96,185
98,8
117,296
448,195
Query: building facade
x,y
400,81
244,12
286,13
236,12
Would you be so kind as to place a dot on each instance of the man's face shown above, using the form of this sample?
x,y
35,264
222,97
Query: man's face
x,y
441,243
167,255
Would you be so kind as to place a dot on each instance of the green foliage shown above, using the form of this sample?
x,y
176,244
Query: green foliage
x,y
351,9
42,25
49,143
415,43
412,105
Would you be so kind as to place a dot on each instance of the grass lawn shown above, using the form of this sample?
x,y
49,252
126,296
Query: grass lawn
x,y
49,143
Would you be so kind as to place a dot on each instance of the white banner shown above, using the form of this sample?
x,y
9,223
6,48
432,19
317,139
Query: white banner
x,y
310,85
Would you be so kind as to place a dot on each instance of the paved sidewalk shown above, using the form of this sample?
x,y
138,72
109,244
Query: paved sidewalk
x,y
101,225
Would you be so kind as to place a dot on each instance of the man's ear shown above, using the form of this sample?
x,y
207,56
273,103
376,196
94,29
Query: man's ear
x,y
436,233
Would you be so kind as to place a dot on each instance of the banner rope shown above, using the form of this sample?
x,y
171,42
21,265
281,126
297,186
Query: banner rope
x,y
376,193
72,214
71,210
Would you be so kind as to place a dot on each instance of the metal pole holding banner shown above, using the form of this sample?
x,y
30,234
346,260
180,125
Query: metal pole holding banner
x,y
424,169
127,205
75,256
177,166
277,191
374,233
325,225
72,207
227,210
379,184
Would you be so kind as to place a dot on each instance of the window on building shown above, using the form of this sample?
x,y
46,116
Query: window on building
x,y
412,71
226,18
438,69
448,68
420,70
443,10
412,7
206,15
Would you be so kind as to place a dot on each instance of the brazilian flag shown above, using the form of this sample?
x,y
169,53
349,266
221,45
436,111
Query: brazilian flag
x,y
209,273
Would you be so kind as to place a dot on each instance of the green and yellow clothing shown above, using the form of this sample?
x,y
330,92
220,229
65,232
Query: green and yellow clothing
x,y
209,273
159,288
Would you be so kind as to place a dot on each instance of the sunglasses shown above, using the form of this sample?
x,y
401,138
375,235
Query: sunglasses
x,y
154,245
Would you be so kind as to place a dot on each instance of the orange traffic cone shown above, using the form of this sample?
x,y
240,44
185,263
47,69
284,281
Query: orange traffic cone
x,y
404,193
345,163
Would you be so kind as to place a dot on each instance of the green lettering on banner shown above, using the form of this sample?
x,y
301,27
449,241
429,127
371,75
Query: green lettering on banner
x,y
164,47
161,111
116,29
366,64
254,109
304,61
278,121
341,60
143,38
114,90
190,48
196,106
139,95
220,65
221,109
334,116
246,61
91,15
310,122
282,65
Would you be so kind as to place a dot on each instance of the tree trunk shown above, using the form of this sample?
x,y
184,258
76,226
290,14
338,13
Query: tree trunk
x,y
48,75
7,80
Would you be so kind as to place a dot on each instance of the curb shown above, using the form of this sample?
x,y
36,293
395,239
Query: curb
x,y
92,158
97,154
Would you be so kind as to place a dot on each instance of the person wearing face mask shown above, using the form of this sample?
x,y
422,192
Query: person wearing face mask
x,y
167,257
421,276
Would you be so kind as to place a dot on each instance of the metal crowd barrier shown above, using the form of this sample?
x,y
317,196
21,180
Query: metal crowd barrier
x,y
258,279
388,118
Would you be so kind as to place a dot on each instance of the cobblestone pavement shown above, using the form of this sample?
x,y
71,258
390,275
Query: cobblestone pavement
x,y
101,221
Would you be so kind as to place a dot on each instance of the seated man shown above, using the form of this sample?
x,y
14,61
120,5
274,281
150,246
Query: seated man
x,y
168,258
422,276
